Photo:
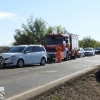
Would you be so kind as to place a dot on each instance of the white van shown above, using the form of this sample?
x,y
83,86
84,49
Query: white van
x,y
25,55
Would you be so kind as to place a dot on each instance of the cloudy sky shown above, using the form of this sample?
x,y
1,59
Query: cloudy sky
x,y
80,17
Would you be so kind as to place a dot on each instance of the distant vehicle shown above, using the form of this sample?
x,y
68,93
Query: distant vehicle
x,y
89,51
25,55
81,52
97,50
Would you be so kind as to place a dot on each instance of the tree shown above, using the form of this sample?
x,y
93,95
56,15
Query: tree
x,y
59,29
32,33
88,42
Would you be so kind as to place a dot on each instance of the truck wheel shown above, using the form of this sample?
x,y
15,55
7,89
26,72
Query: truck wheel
x,y
73,57
67,56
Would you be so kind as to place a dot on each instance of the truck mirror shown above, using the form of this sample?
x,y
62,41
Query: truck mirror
x,y
64,43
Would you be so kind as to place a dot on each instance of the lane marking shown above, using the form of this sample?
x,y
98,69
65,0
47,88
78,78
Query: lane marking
x,y
25,70
42,86
92,60
51,71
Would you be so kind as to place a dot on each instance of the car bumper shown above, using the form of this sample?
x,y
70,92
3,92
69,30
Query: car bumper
x,y
78,55
9,62
97,52
51,54
88,54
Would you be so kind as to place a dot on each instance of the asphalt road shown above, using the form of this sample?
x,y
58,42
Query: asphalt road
x,y
19,80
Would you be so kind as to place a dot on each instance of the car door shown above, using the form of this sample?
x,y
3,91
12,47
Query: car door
x,y
28,55
36,55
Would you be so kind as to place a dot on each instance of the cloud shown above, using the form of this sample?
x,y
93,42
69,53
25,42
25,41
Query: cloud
x,y
14,17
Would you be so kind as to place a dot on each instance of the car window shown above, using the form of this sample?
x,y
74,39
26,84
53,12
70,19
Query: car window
x,y
29,49
35,49
42,49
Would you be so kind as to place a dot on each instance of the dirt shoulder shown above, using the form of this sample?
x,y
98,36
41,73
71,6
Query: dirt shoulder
x,y
84,88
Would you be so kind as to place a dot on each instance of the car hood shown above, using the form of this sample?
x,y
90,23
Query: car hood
x,y
7,55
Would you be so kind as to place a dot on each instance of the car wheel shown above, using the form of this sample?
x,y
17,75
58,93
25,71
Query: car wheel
x,y
80,55
43,61
84,55
20,63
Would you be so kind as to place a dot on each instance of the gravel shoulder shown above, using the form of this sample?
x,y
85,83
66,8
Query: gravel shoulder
x,y
84,88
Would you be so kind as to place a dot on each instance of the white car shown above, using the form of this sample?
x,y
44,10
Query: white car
x,y
25,55
89,51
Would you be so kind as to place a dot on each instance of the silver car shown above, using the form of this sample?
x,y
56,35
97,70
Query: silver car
x,y
24,55
89,51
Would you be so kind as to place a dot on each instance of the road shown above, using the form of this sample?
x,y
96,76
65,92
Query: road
x,y
16,81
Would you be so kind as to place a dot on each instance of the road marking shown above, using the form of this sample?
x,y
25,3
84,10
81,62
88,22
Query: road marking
x,y
26,70
42,86
14,73
92,60
51,71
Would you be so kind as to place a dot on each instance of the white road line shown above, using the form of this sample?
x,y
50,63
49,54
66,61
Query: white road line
x,y
14,73
25,70
92,60
21,94
51,71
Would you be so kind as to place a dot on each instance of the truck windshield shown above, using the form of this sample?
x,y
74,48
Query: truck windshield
x,y
53,40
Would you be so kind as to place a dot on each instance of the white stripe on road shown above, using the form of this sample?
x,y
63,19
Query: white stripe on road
x,y
92,60
21,94
28,69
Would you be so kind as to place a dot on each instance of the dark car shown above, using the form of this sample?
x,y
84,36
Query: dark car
x,y
97,50
89,51
80,53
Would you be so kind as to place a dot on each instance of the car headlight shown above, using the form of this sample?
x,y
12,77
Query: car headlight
x,y
13,57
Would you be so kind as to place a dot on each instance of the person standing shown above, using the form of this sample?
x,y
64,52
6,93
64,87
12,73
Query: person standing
x,y
58,53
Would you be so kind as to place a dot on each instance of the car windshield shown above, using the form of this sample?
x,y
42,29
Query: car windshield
x,y
88,49
16,49
53,40
97,48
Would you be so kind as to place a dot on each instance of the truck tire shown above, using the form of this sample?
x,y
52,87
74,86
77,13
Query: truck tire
x,y
73,57
67,56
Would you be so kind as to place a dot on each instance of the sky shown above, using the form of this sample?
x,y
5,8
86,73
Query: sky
x,y
81,17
